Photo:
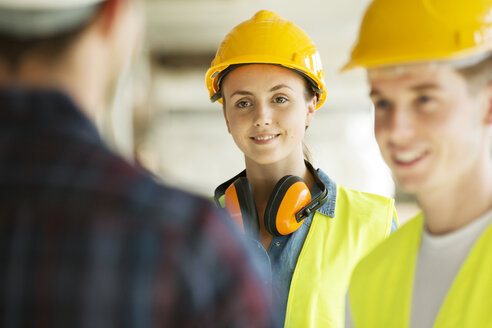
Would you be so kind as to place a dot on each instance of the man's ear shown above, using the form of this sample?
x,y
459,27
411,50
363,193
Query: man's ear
x,y
225,118
109,14
488,112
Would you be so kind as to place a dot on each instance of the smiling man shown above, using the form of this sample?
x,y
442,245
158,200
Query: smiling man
x,y
429,68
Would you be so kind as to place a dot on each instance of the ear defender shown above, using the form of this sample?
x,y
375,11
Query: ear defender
x,y
289,196
240,205
289,203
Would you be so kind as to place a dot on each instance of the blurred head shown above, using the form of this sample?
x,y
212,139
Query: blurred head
x,y
430,127
42,39
429,65
267,109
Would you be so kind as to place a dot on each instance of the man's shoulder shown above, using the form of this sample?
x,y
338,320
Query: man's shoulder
x,y
142,192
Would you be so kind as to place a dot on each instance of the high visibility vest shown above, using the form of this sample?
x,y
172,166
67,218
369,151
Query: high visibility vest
x,y
382,284
331,250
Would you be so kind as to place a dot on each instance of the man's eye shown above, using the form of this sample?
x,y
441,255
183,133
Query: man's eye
x,y
382,104
424,99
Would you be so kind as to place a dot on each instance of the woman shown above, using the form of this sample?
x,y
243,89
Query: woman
x,y
267,73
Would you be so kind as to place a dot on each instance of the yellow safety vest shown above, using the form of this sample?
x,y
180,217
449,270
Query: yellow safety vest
x,y
382,284
331,250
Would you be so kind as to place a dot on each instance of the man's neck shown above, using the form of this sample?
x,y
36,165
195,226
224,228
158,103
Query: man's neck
x,y
454,205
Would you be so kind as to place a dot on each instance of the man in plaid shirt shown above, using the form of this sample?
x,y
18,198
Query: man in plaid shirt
x,y
87,240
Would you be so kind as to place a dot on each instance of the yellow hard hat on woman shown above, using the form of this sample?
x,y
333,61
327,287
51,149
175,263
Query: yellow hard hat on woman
x,y
395,32
267,38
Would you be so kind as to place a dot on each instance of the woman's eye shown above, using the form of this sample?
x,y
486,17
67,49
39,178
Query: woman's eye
x,y
243,104
280,100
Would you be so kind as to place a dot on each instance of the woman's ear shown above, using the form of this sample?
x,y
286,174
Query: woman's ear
x,y
311,109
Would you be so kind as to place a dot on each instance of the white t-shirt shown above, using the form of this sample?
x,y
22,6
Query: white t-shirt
x,y
439,260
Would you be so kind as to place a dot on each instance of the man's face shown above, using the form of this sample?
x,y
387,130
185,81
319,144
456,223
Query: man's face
x,y
430,129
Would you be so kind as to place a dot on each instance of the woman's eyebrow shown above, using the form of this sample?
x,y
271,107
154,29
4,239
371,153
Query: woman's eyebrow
x,y
241,93
280,86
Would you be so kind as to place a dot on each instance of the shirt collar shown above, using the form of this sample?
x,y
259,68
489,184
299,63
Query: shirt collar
x,y
46,109
328,208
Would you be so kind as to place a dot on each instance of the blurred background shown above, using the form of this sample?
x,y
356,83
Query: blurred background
x,y
164,120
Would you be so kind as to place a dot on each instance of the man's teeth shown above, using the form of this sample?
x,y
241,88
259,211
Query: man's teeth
x,y
264,138
408,157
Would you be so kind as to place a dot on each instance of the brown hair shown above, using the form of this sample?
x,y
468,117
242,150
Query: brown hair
x,y
477,75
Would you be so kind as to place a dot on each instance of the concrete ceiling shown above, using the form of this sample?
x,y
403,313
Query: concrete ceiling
x,y
186,33
200,25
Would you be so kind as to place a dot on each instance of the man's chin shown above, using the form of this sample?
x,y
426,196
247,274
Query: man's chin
x,y
411,186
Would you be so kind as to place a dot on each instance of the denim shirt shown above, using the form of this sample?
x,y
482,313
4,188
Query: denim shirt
x,y
281,257
284,250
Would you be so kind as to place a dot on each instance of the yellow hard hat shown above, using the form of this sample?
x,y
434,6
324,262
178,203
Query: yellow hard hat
x,y
268,38
403,31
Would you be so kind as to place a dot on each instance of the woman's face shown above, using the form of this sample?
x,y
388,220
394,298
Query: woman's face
x,y
266,111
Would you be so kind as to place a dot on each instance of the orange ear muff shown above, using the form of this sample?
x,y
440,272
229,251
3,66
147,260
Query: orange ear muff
x,y
232,206
240,205
289,196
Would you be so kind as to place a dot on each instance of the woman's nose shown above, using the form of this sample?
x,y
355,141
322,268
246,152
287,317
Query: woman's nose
x,y
263,115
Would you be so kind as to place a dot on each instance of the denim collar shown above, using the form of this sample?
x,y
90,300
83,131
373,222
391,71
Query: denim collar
x,y
328,208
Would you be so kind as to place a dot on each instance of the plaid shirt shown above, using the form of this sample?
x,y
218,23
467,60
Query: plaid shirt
x,y
86,240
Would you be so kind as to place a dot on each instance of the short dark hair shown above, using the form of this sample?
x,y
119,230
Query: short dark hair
x,y
478,75
51,48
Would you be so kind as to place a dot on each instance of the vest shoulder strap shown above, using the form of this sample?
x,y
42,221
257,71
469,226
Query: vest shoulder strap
x,y
388,273
468,301
332,248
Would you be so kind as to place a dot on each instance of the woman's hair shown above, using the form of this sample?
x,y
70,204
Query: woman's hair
x,y
307,153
